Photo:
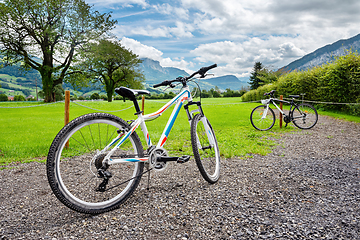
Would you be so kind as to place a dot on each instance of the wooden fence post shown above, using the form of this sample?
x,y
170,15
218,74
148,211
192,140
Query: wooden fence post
x,y
281,107
67,110
143,104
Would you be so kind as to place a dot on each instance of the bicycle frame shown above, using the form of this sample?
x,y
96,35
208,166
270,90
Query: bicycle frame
x,y
271,100
179,100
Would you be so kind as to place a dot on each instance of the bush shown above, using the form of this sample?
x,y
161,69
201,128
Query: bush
x,y
258,93
338,81
19,98
95,96
3,98
104,97
118,97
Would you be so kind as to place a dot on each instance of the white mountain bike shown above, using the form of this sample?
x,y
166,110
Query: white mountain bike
x,y
303,115
96,161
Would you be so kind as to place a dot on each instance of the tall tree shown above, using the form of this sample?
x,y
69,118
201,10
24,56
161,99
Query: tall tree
x,y
51,30
111,64
268,76
255,81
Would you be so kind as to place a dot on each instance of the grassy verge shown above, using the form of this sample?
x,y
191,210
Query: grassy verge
x,y
27,133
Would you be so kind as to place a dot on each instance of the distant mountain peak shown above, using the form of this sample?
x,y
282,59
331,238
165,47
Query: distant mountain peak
x,y
325,54
155,73
149,63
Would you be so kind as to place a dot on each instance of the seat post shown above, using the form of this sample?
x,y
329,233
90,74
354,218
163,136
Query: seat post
x,y
137,107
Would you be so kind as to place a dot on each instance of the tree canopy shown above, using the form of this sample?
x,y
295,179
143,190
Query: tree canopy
x,y
46,34
111,64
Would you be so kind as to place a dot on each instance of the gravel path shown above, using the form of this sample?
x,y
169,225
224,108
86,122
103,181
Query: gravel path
x,y
308,188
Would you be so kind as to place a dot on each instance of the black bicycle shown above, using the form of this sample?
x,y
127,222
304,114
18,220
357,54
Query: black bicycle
x,y
303,115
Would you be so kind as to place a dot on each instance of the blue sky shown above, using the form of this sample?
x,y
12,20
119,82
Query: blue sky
x,y
235,34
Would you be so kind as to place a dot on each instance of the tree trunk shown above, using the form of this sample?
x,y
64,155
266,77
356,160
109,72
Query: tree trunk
x,y
109,87
48,86
46,71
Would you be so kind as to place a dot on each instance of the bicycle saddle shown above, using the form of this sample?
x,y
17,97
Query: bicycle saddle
x,y
294,96
130,93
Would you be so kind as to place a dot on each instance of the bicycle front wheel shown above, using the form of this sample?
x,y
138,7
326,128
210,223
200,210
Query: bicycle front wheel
x,y
304,116
262,118
75,157
205,148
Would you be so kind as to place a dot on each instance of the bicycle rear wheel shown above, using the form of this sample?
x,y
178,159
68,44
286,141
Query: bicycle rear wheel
x,y
259,120
205,148
304,116
72,171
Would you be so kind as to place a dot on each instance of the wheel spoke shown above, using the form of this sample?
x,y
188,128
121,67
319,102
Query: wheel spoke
x,y
207,157
304,116
262,118
73,173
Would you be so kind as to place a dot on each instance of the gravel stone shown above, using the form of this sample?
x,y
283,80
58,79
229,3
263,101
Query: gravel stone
x,y
307,188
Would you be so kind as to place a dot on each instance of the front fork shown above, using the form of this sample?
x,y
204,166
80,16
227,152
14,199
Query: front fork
x,y
192,113
208,130
265,112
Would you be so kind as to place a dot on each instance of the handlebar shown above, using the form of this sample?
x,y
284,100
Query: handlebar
x,y
271,93
202,71
164,83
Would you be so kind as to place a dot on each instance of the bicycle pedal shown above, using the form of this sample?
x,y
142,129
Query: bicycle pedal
x,y
183,159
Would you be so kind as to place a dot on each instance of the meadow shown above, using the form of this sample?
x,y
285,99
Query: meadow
x,y
27,129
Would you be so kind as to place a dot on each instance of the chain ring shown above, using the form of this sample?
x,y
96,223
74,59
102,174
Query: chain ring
x,y
157,152
287,119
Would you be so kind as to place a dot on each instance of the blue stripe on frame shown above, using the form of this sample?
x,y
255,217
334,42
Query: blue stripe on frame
x,y
173,120
133,160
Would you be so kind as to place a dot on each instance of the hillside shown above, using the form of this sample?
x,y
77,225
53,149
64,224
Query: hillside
x,y
325,54
224,82
24,83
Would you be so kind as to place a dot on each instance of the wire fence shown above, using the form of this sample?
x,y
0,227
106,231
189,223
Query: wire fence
x,y
100,110
39,105
329,103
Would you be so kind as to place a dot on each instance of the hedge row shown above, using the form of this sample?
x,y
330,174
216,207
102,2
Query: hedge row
x,y
338,81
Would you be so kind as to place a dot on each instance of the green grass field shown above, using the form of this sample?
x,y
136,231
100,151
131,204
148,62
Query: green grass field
x,y
27,133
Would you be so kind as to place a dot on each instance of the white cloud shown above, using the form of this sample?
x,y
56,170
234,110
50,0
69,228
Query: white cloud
x,y
239,57
237,33
142,50
167,9
151,32
181,30
289,50
177,63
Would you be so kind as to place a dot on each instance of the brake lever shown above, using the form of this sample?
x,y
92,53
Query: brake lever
x,y
207,74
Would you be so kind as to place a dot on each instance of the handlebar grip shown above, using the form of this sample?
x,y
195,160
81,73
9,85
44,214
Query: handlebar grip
x,y
270,93
203,70
211,67
157,85
164,83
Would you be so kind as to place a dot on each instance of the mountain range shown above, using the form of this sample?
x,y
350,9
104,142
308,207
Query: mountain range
x,y
14,78
325,54
155,73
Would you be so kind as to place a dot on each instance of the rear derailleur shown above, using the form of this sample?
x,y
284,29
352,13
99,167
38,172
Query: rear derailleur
x,y
102,172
